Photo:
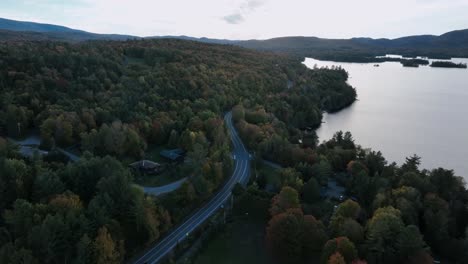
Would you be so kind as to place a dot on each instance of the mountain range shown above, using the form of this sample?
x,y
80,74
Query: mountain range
x,y
451,44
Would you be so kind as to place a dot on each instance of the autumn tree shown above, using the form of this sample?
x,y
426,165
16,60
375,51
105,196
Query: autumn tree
x,y
340,245
288,198
336,259
105,249
293,237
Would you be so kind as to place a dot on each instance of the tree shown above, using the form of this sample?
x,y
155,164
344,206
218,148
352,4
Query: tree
x,y
84,251
422,257
343,221
411,164
283,235
447,184
348,208
408,201
290,177
314,236
294,237
311,191
436,219
355,167
375,162
16,181
383,231
288,198
17,120
410,242
322,171
46,185
105,248
341,245
336,259
22,256
238,113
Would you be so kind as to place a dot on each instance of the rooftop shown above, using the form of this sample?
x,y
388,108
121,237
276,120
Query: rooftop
x,y
172,154
145,164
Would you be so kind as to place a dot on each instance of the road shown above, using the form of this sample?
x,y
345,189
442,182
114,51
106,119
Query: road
x,y
240,175
31,144
156,191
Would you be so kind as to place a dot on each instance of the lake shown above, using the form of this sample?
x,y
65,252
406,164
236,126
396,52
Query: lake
x,y
403,111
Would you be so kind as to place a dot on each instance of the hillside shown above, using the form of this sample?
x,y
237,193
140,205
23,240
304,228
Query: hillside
x,y
451,44
13,25
21,30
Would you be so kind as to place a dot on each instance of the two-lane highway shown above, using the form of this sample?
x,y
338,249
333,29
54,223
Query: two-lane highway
x,y
240,175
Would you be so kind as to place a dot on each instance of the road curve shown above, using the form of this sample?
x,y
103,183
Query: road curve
x,y
240,175
156,191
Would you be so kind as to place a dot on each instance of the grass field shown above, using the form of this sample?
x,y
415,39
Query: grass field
x,y
242,241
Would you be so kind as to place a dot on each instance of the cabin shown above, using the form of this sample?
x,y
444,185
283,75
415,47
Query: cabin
x,y
146,167
174,155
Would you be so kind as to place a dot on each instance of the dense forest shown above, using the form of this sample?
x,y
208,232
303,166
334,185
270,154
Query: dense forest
x,y
359,49
448,64
445,46
111,102
388,213
414,62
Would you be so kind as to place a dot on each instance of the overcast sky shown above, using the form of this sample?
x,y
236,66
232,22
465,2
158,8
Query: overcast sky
x,y
246,19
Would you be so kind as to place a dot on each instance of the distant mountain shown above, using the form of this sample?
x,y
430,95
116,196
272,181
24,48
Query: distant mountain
x,y
39,31
451,44
13,25
203,39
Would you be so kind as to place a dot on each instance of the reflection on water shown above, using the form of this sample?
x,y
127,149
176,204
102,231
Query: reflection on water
x,y
401,111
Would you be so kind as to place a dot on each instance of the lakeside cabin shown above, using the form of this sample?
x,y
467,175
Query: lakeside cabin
x,y
174,155
146,167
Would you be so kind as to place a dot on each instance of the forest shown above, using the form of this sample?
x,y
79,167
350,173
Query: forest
x,y
389,213
111,101
446,46
448,64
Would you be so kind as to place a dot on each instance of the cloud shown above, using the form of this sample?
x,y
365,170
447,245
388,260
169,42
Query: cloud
x,y
236,18
244,9
253,4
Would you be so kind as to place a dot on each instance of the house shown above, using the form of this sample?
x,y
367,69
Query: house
x,y
173,154
146,166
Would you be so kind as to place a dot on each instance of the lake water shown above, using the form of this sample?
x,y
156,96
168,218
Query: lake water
x,y
403,111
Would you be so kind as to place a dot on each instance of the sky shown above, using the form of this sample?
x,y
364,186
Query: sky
x,y
247,19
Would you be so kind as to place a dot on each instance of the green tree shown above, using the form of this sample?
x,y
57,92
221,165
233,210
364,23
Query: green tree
x,y
290,177
311,191
84,251
410,242
383,230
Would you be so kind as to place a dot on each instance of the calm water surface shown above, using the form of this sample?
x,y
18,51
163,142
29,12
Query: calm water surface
x,y
403,111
